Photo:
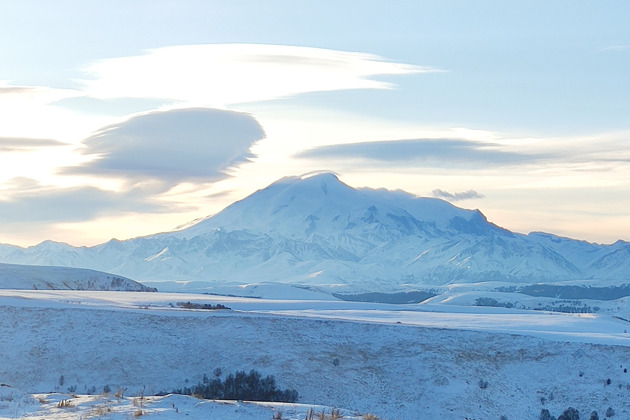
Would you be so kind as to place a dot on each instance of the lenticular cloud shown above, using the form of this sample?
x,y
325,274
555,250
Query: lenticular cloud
x,y
223,74
173,146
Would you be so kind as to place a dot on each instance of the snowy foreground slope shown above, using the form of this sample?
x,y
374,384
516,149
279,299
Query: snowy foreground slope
x,y
17,404
14,276
321,233
394,361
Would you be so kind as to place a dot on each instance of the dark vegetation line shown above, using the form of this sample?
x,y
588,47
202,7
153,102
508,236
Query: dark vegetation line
x,y
205,306
570,292
395,298
242,386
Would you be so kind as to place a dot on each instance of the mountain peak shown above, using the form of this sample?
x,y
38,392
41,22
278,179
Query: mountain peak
x,y
315,230
53,245
311,177
319,203
323,181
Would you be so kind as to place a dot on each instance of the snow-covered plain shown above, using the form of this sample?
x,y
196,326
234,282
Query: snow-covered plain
x,y
434,360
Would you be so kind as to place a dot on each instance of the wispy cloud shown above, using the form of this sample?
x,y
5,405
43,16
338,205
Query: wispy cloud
x,y
17,144
428,152
222,74
5,89
172,146
30,111
18,94
617,47
466,195
28,201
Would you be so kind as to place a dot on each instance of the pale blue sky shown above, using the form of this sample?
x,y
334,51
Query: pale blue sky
x,y
538,91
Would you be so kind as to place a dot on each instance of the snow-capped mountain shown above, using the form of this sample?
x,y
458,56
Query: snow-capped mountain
x,y
318,231
33,277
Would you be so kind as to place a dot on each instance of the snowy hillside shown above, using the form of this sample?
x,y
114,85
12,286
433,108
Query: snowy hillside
x,y
319,232
31,277
15,403
398,362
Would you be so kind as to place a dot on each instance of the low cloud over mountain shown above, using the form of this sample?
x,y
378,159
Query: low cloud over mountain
x,y
466,195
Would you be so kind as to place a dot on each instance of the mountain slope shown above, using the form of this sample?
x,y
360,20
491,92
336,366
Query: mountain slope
x,y
13,276
318,231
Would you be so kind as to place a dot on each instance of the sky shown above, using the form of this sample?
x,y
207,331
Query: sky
x,y
120,119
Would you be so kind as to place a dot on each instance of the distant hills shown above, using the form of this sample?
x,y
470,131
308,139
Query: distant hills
x,y
32,277
319,232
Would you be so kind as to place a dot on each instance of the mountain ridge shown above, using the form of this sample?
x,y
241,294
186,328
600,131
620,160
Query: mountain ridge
x,y
319,232
36,277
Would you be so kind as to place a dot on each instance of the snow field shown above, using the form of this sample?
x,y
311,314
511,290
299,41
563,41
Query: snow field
x,y
80,407
366,364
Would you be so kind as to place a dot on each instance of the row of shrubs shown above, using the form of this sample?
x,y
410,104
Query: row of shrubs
x,y
206,306
557,306
250,386
573,414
